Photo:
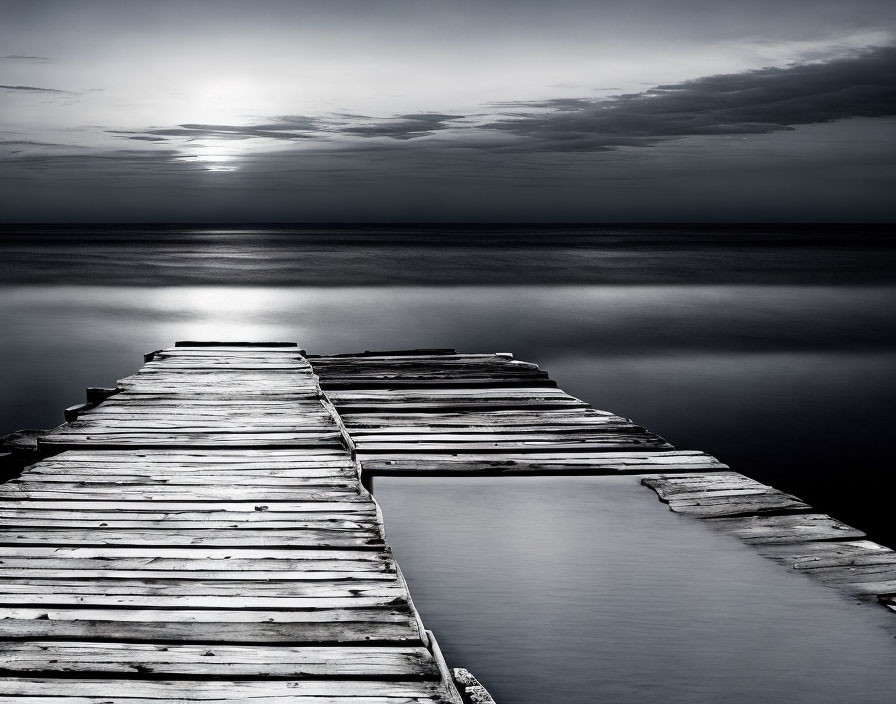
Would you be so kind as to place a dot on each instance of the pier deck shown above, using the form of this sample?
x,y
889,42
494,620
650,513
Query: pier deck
x,y
438,412
202,532
203,535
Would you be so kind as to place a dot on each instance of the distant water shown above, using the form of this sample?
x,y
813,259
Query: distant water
x,y
775,351
447,255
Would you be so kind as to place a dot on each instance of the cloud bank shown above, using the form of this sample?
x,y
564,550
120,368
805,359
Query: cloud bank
x,y
754,102
734,104
823,149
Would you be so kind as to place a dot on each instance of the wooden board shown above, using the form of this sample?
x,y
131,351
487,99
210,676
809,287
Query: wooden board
x,y
36,657
135,691
787,529
720,494
556,462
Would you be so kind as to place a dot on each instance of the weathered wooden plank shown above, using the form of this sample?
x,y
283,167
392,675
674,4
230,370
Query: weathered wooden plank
x,y
173,458
304,537
522,394
720,494
196,384
238,345
786,529
172,493
162,552
411,436
267,496
676,485
409,366
475,692
306,468
336,479
116,421
364,512
322,501
310,691
210,440
42,657
331,597
223,363
23,590
221,393
738,505
871,578
579,426
507,420
172,523
610,444
318,626
554,462
447,382
308,402
214,569
838,554
406,698
109,433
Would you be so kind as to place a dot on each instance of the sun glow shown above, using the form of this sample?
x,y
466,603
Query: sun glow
x,y
222,312
212,154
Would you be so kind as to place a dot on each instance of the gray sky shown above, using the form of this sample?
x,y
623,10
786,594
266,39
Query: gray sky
x,y
376,110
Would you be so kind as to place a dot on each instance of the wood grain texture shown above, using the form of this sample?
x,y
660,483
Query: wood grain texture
x,y
720,494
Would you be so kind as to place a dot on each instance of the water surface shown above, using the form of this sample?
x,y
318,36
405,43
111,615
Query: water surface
x,y
589,590
774,350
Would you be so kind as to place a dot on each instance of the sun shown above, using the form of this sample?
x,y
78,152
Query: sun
x,y
212,154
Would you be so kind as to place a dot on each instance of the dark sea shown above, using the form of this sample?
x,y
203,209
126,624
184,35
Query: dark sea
x,y
771,347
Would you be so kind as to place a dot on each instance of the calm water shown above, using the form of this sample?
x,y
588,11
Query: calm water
x,y
776,352
583,591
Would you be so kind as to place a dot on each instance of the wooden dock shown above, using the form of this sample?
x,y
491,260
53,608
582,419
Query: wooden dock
x,y
202,532
444,413
203,535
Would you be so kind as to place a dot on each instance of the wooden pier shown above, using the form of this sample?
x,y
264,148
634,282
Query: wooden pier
x,y
444,413
202,532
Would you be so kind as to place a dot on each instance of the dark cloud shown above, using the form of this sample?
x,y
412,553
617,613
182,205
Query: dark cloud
x,y
403,127
25,59
34,89
98,166
286,128
294,127
25,143
754,102
553,104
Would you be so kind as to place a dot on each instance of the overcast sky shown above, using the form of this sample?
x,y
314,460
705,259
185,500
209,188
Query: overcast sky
x,y
369,110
